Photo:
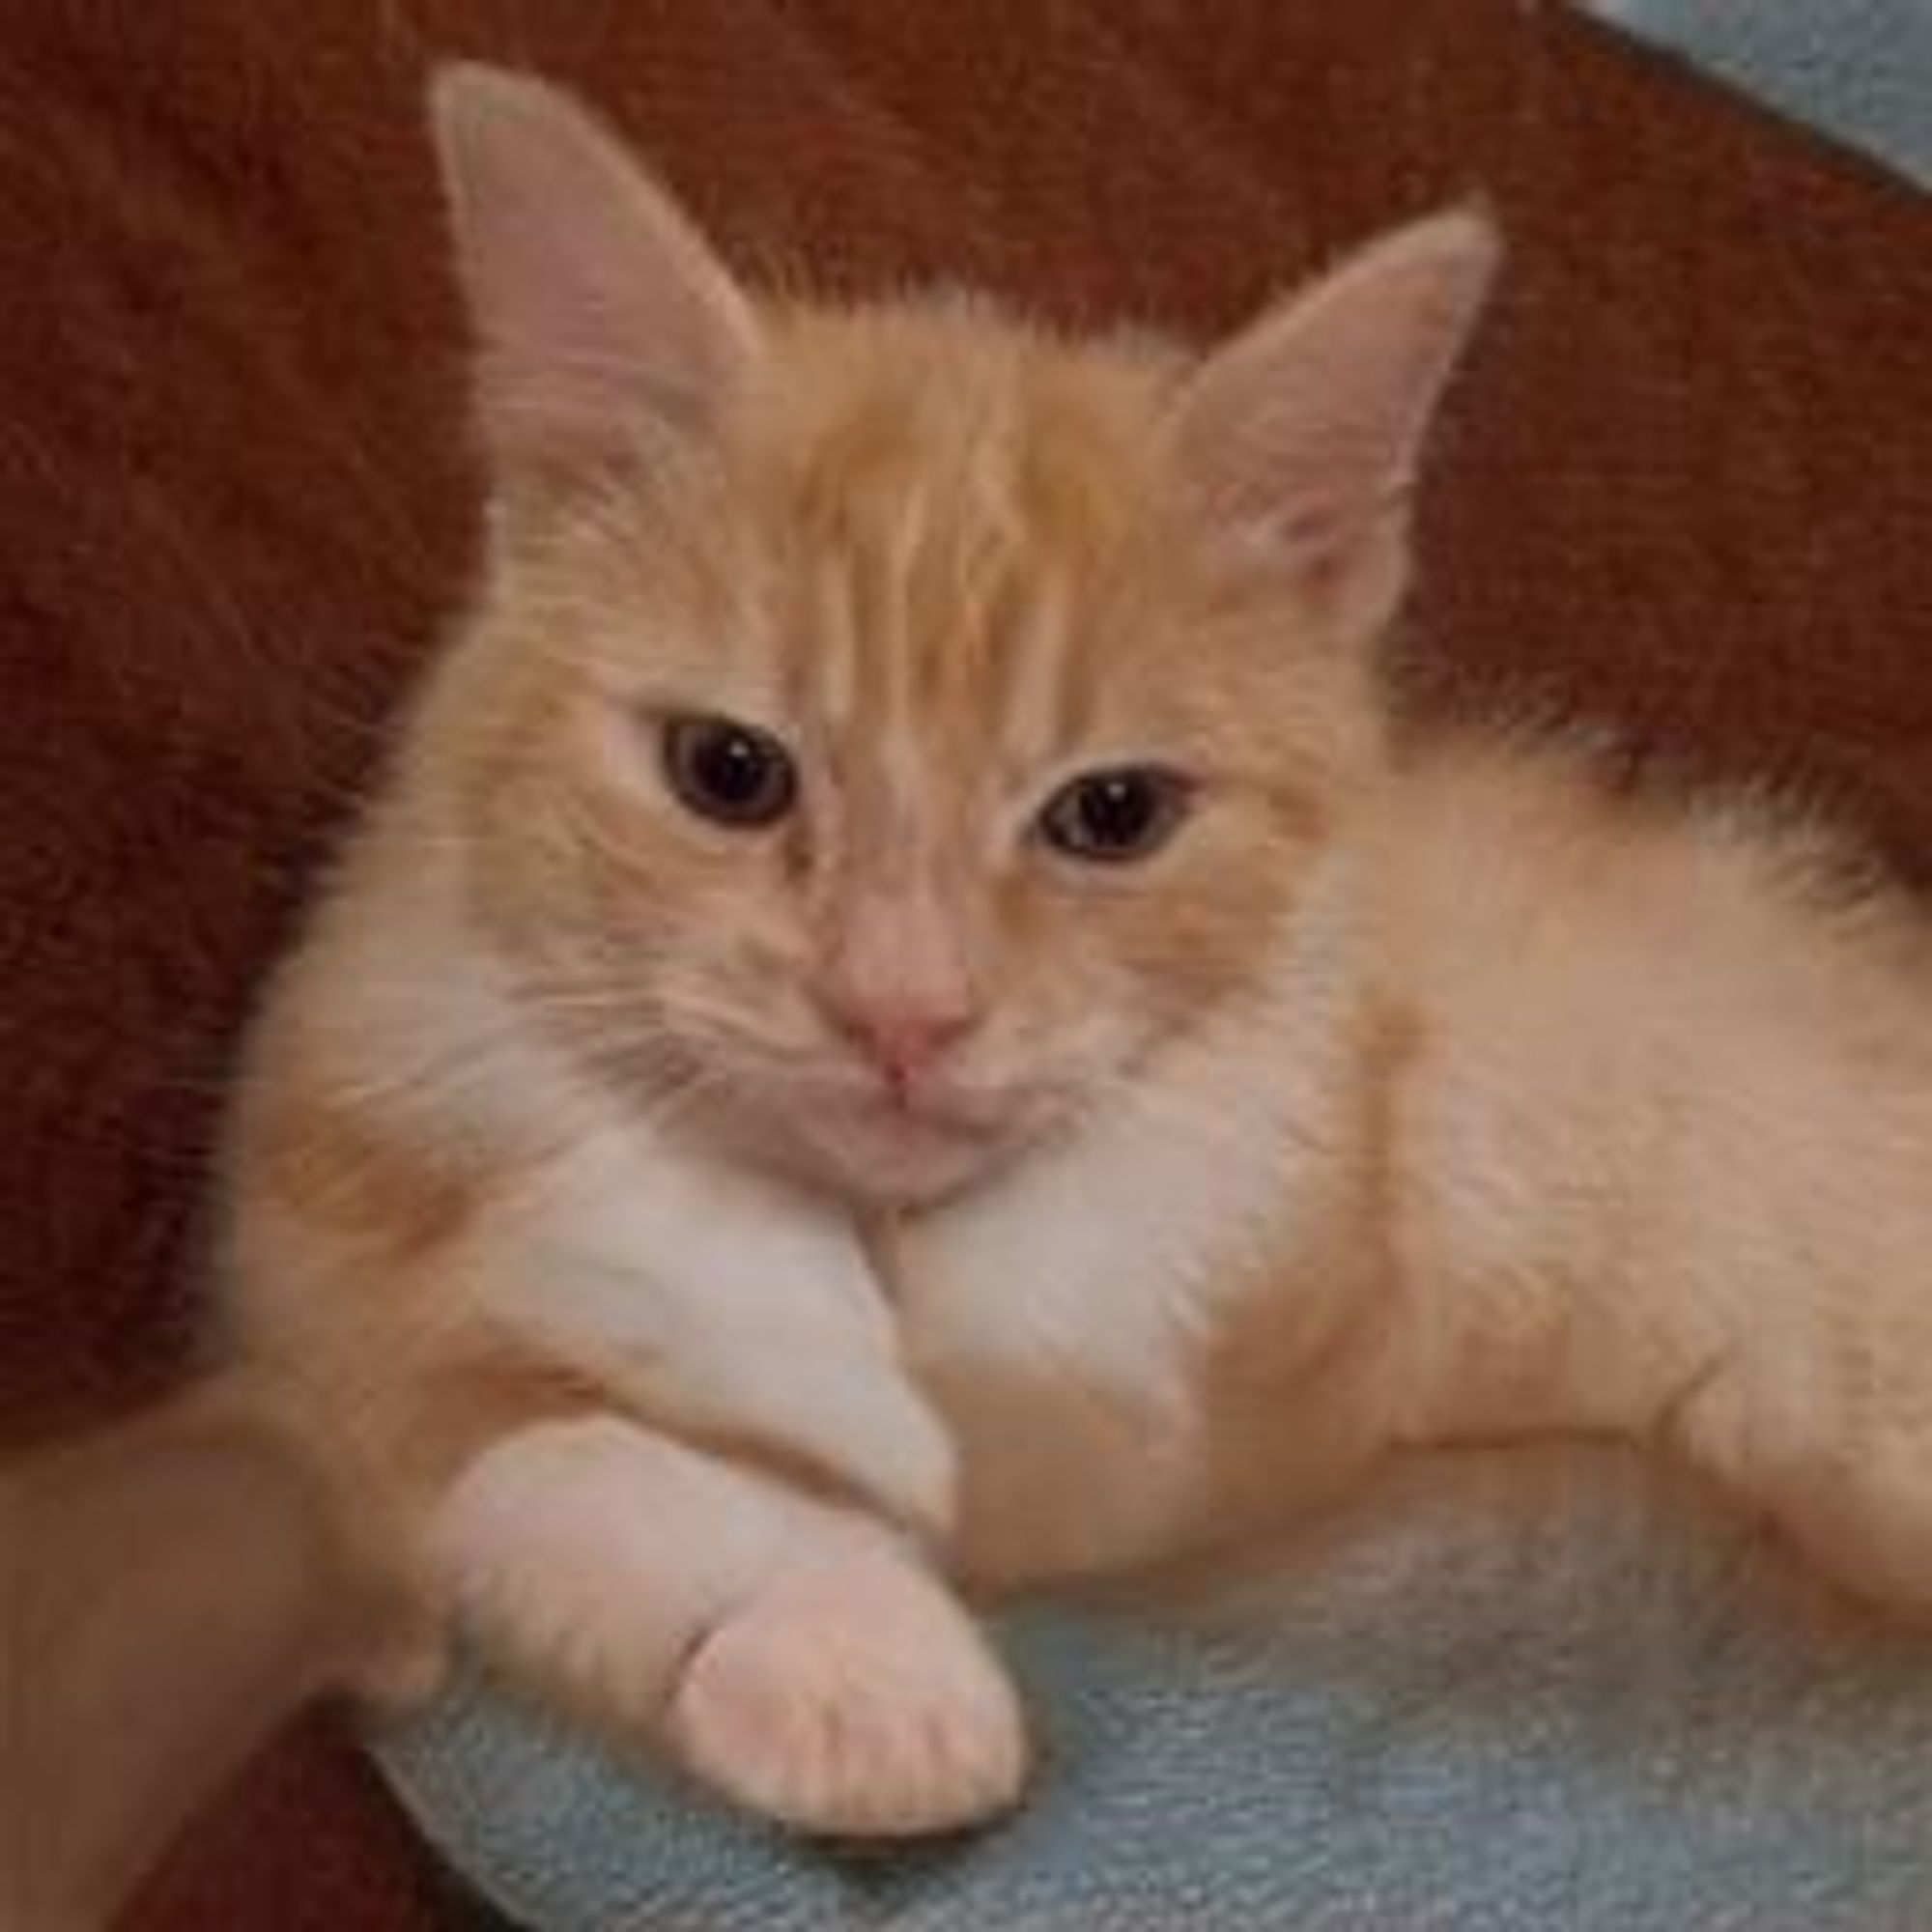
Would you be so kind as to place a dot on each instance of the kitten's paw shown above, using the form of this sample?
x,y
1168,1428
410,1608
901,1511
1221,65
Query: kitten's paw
x,y
854,1698
399,1669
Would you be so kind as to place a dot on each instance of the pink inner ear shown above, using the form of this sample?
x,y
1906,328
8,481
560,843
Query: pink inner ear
x,y
1303,434
594,302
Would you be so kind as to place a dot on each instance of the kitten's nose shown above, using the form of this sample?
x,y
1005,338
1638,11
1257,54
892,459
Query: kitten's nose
x,y
906,1038
898,982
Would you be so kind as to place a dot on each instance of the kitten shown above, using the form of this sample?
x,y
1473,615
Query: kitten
x,y
907,1020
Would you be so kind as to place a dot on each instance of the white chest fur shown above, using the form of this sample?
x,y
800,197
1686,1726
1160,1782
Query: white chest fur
x,y
1063,1316
1048,1330
714,1300
1032,1353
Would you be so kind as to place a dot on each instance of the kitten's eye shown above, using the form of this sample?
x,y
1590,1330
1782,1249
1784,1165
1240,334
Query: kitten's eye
x,y
732,774
1112,816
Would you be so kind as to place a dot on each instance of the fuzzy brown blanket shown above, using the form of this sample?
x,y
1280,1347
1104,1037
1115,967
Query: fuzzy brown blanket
x,y
1683,490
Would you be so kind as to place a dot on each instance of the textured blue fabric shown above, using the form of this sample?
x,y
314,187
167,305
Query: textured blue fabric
x,y
1860,70
1503,1695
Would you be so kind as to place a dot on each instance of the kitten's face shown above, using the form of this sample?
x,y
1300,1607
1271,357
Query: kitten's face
x,y
899,781
886,733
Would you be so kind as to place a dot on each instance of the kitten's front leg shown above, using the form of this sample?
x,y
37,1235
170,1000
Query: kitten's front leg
x,y
1852,1489
720,1304
850,1694
795,1655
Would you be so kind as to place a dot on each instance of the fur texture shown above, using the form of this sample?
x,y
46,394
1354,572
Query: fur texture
x,y
694,1239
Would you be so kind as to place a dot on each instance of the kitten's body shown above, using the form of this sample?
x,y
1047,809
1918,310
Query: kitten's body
x,y
1632,1138
1427,1093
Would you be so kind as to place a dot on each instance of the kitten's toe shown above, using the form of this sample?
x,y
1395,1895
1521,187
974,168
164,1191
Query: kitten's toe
x,y
400,1672
854,1699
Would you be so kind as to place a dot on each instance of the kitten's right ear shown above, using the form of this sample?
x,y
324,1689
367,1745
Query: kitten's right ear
x,y
1302,437
596,305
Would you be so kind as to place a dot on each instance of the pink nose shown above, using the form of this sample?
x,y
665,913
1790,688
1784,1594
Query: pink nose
x,y
906,1041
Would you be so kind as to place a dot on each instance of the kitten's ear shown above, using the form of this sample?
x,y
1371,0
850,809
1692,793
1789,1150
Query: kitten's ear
x,y
1301,436
595,304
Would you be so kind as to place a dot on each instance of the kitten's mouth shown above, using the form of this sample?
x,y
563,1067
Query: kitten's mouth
x,y
915,1124
892,1144
869,1139
918,1110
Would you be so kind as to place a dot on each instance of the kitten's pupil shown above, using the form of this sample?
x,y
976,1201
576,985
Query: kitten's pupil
x,y
1115,815
729,773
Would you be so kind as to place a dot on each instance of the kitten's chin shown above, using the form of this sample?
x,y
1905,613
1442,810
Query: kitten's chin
x,y
879,1156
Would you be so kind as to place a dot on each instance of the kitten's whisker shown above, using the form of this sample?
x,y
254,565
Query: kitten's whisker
x,y
452,1071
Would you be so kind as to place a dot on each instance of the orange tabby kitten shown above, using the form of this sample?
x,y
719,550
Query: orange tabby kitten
x,y
906,1019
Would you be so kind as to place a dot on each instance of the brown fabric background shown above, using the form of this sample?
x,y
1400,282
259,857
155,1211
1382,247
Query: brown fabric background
x,y
1683,488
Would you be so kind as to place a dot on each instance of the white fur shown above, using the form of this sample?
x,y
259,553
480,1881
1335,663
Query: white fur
x,y
710,1297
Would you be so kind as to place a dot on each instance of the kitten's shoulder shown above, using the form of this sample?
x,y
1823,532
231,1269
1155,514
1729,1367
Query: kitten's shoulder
x,y
1493,832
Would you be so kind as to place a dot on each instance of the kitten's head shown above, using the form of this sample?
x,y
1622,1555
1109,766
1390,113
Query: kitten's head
x,y
885,731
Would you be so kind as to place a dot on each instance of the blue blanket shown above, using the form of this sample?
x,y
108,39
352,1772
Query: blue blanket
x,y
1503,1693
1859,70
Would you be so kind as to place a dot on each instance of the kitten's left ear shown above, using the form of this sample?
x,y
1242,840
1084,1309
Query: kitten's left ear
x,y
1300,439
597,306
